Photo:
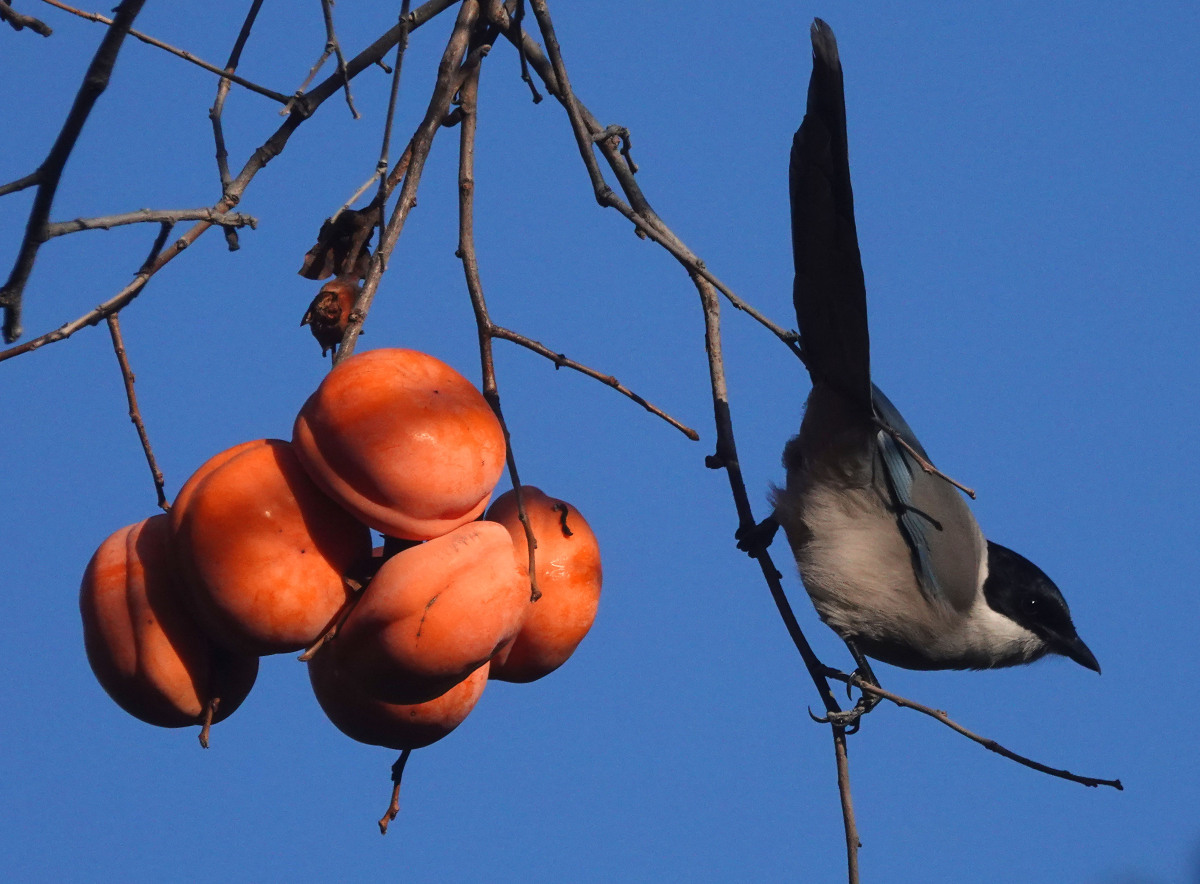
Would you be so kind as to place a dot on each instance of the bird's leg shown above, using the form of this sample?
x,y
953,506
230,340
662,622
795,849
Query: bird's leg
x,y
756,538
866,702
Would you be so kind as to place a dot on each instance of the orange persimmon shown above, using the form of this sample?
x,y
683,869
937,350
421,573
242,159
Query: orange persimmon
x,y
402,441
569,577
433,614
263,551
397,726
142,643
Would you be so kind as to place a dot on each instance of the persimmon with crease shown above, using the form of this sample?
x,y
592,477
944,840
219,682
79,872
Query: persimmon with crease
x,y
394,725
402,441
433,614
569,578
142,643
263,550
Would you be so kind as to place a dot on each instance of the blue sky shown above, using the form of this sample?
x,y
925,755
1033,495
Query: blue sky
x,y
1027,202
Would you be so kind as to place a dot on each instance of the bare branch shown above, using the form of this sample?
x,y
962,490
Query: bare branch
x,y
135,414
517,19
561,361
95,80
258,160
142,216
989,744
19,22
451,73
180,53
726,457
20,184
849,825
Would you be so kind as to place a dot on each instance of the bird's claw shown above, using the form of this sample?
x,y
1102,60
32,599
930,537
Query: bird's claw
x,y
848,720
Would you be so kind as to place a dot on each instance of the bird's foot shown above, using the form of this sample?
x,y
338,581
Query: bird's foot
x,y
866,701
849,720
757,538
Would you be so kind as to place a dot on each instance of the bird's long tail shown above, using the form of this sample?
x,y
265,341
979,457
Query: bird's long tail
x,y
829,292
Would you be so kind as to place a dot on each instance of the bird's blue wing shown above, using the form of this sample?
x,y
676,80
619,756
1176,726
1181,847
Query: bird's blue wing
x,y
899,468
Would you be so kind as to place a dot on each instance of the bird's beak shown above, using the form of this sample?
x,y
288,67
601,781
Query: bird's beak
x,y
1072,646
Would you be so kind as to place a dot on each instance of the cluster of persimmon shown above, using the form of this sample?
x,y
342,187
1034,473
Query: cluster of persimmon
x,y
268,549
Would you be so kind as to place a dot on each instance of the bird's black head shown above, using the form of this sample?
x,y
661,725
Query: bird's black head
x,y
1021,591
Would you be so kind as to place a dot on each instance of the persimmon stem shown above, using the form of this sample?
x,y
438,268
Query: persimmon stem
x,y
210,710
338,620
394,808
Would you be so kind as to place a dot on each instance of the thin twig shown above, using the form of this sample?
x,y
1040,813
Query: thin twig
x,y
382,166
849,825
626,140
216,112
468,95
95,81
19,22
113,304
144,216
552,69
135,414
561,361
921,461
986,742
181,53
517,19
20,184
331,42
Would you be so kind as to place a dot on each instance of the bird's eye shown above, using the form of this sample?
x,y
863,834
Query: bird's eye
x,y
1030,604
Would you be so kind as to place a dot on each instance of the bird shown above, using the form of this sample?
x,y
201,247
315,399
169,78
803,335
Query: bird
x,y
887,548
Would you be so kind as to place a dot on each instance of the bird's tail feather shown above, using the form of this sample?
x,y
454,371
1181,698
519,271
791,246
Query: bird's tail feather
x,y
829,292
